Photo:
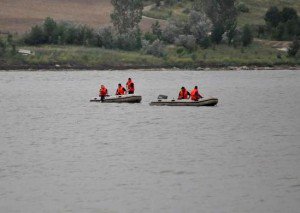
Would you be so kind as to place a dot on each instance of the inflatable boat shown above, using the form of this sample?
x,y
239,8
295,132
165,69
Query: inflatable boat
x,y
202,102
119,99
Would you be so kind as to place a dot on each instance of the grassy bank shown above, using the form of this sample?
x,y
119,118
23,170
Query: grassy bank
x,y
75,57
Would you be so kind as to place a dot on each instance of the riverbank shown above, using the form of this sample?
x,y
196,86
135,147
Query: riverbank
x,y
223,57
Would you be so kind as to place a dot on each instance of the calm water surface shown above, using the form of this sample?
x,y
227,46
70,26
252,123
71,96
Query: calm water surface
x,y
61,153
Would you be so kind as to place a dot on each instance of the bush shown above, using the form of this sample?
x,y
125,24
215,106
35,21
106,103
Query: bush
x,y
170,33
129,41
247,36
205,42
150,37
242,7
157,48
2,47
187,41
156,30
170,2
294,48
36,36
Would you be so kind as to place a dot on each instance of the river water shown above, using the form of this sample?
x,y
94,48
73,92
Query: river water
x,y
61,153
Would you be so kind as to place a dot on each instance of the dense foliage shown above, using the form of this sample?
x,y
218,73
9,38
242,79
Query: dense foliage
x,y
282,25
126,15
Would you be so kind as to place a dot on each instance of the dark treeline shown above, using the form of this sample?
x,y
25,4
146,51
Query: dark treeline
x,y
281,25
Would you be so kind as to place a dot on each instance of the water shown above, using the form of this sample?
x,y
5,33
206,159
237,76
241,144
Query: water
x,y
61,153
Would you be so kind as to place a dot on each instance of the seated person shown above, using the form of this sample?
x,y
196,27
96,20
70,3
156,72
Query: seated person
x,y
121,90
183,94
195,95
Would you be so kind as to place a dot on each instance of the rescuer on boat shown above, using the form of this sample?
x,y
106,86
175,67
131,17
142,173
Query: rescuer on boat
x,y
121,90
195,95
183,94
130,86
103,92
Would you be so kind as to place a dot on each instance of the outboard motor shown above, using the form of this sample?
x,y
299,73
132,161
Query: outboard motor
x,y
160,97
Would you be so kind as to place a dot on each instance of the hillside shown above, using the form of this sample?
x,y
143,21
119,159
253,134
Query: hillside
x,y
20,15
258,9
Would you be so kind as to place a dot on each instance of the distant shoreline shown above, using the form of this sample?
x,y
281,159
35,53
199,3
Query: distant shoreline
x,y
5,68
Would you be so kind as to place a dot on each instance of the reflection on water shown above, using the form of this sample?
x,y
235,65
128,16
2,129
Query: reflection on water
x,y
61,153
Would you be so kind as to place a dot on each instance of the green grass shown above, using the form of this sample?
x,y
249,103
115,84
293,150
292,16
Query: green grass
x,y
87,57
223,55
159,13
75,56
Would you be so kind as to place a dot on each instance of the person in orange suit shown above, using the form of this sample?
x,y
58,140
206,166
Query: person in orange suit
x,y
121,90
103,92
195,95
183,94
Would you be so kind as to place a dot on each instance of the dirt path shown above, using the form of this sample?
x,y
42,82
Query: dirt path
x,y
280,45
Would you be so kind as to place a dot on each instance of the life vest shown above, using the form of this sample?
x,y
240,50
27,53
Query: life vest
x,y
183,94
103,91
195,96
128,84
120,91
131,87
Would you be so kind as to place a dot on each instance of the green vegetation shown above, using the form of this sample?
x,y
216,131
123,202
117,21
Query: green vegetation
x,y
76,57
196,35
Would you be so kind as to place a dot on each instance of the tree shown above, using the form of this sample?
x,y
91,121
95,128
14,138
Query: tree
x,y
217,33
49,28
222,13
273,16
294,48
199,25
36,36
219,11
126,14
247,36
231,33
288,13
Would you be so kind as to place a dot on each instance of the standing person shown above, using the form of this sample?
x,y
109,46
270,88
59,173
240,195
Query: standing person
x,y
195,95
183,94
128,83
131,88
120,90
103,92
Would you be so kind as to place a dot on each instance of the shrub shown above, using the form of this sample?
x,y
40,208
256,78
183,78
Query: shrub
x,y
170,2
205,42
2,47
36,36
187,41
294,48
157,48
247,36
129,41
170,33
242,7
150,37
156,30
